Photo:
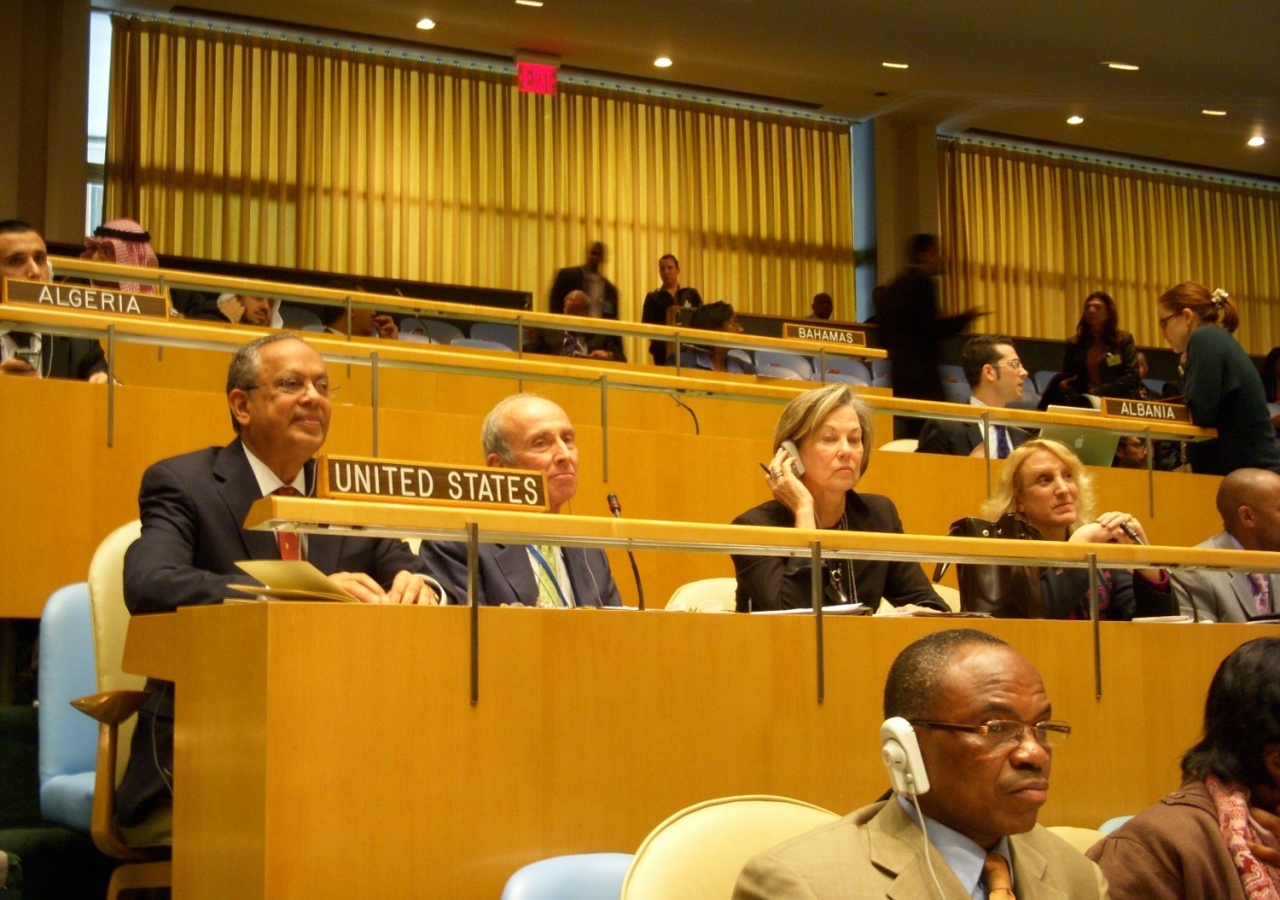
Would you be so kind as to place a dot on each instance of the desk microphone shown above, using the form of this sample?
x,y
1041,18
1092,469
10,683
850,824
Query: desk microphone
x,y
616,508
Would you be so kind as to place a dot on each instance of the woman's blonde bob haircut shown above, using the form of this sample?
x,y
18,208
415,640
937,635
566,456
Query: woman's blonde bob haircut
x,y
1009,485
809,410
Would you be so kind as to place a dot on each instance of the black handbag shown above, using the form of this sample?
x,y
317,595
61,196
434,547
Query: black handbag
x,y
1006,592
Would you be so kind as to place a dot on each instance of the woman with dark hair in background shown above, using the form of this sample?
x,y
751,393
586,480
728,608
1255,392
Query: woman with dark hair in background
x,y
1221,385
1215,837
1101,359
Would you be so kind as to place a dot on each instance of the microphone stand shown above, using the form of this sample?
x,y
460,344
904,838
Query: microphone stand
x,y
616,508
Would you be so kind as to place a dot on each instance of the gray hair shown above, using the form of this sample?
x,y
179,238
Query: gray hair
x,y
246,365
493,438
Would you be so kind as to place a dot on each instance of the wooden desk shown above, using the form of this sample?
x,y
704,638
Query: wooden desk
x,y
328,749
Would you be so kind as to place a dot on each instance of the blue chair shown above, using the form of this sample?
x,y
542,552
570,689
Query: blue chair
x,y
769,361
881,381
480,345
581,876
314,328
442,332
841,365
952,374
68,739
417,338
499,332
881,368
746,365
297,318
956,392
1113,823
1042,379
1155,387
411,324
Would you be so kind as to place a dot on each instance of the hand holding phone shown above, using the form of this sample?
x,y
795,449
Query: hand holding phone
x,y
796,464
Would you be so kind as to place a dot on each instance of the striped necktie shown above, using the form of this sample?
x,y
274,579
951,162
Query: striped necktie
x,y
548,587
289,541
1003,447
995,875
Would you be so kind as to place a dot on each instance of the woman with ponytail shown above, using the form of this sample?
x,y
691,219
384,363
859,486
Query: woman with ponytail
x,y
1221,385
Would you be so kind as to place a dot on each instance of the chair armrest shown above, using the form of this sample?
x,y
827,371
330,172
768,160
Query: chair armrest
x,y
111,707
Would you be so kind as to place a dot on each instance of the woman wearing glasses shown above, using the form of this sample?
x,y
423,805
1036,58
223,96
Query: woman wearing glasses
x,y
1214,838
1046,485
1221,385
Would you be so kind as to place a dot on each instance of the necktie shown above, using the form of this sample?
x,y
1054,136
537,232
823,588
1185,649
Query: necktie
x,y
1261,592
290,543
1003,447
995,875
548,591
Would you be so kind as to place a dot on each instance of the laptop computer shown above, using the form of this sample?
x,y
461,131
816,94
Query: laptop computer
x,y
1095,448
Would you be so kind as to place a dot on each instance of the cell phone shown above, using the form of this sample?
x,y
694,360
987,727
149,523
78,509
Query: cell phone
x,y
790,447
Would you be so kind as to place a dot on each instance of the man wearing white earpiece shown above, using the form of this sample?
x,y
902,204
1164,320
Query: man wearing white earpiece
x,y
968,744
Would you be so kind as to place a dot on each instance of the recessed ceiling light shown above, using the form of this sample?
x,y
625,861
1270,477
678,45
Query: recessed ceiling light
x,y
1214,112
889,65
662,62
1075,120
528,2
1122,66
1257,140
426,24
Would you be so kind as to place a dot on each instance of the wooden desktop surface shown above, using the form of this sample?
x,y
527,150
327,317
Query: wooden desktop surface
x,y
328,749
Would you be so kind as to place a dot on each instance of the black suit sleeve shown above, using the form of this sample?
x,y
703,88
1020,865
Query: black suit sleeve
x,y
564,283
160,569
937,437
446,561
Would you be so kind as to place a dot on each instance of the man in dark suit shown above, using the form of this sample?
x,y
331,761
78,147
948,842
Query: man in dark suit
x,y
525,431
601,293
578,344
193,508
910,329
23,255
1249,503
995,376
978,717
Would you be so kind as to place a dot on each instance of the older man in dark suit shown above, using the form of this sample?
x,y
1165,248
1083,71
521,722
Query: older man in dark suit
x,y
193,508
525,431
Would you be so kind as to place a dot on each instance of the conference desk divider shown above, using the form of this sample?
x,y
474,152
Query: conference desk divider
x,y
323,749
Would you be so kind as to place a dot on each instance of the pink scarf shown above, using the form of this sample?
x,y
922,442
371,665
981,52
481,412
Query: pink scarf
x,y
1232,801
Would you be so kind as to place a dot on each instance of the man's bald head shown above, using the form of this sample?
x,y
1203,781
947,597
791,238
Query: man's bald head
x,y
1249,503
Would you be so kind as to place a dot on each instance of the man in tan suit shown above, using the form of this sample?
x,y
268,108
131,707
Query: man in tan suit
x,y
980,716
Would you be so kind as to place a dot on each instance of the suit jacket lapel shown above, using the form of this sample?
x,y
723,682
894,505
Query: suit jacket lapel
x,y
897,847
512,561
238,488
1030,869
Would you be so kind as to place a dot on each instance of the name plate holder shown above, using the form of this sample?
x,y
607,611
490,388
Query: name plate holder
x,y
1145,409
360,478
85,298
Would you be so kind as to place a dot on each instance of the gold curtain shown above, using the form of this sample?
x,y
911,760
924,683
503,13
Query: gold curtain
x,y
290,153
1030,235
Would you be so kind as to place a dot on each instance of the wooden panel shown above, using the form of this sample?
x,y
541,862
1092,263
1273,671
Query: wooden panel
x,y
347,751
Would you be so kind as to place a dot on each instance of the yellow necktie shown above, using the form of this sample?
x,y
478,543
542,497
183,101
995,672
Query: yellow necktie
x,y
995,875
548,591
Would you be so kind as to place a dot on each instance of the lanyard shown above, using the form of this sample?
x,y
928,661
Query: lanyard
x,y
546,567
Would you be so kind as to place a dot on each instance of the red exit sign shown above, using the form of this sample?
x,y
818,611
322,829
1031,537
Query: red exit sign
x,y
536,78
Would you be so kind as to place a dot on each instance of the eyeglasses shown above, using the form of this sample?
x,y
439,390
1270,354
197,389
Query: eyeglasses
x,y
1014,363
1007,733
1164,323
292,387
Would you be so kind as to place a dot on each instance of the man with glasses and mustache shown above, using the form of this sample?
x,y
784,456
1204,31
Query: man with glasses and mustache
x,y
995,376
980,717
192,510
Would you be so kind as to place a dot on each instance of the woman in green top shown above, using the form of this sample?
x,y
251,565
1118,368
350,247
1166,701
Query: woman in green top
x,y
1221,385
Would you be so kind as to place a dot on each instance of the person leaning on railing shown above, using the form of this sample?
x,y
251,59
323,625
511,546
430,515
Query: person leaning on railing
x,y
831,431
1045,484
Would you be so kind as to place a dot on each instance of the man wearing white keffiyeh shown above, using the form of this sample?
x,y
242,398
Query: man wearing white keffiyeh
x,y
1215,838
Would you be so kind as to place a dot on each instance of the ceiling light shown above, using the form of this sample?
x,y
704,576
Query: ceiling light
x,y
662,62
426,24
1214,112
889,65
528,2
1075,120
1123,67
1257,140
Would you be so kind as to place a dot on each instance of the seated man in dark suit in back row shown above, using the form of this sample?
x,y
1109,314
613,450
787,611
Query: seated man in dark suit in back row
x,y
23,255
193,509
995,376
525,431
579,344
